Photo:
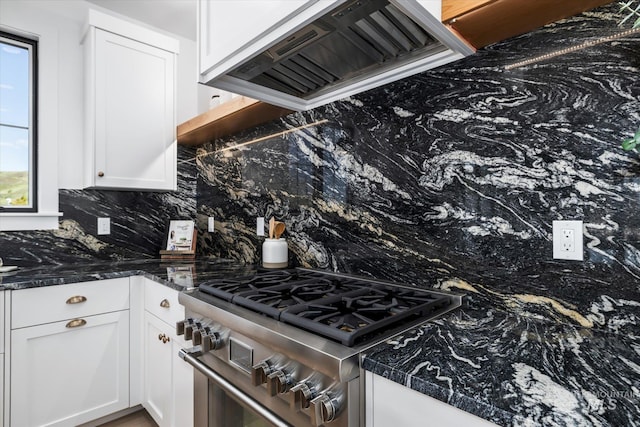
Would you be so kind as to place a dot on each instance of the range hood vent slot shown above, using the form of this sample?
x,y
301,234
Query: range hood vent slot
x,y
296,41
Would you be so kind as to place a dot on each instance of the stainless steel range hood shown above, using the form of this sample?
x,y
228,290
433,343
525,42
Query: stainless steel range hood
x,y
356,46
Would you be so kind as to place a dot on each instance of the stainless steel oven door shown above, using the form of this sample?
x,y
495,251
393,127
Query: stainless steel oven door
x,y
219,403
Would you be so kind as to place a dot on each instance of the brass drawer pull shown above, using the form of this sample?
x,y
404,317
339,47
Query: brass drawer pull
x,y
165,303
75,323
76,299
165,339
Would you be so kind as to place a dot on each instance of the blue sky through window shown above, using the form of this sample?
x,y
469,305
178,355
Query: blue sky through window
x,y
14,108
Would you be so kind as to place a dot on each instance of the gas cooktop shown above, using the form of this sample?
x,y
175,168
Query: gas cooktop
x,y
346,309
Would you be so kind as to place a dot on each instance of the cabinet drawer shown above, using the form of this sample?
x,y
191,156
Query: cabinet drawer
x,y
51,304
162,302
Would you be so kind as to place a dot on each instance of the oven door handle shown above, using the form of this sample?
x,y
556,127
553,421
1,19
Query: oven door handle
x,y
231,389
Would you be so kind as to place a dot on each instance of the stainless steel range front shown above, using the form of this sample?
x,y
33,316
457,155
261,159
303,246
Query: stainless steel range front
x,y
282,347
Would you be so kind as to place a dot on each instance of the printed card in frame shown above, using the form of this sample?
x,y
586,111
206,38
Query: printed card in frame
x,y
181,240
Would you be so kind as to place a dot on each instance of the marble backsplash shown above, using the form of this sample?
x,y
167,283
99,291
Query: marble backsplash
x,y
139,222
452,178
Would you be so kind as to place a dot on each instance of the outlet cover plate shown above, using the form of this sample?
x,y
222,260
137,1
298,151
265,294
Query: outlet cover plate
x,y
568,240
104,226
260,226
211,225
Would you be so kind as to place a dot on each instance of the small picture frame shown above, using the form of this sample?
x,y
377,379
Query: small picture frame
x,y
180,236
181,240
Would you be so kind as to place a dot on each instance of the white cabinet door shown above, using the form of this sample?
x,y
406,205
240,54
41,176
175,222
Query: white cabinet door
x,y
168,389
232,31
131,108
388,403
65,374
157,370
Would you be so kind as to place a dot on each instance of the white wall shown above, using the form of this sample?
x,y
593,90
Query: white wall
x,y
14,17
64,20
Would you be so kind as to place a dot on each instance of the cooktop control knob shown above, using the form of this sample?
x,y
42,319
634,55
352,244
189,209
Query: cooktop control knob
x,y
260,372
197,337
180,327
183,325
189,326
279,382
211,340
324,409
301,396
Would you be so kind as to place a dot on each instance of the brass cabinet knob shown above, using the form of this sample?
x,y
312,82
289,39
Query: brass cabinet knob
x,y
165,303
100,174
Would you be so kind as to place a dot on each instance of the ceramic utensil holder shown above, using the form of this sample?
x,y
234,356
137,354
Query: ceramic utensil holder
x,y
275,253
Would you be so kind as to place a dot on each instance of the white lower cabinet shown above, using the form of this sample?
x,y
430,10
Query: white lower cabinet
x,y
69,372
391,404
68,347
168,380
79,352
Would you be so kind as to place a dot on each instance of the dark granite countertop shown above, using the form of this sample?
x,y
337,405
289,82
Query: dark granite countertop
x,y
515,369
490,357
176,274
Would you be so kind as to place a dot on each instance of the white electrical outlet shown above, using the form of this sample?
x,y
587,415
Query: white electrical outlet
x,y
260,226
211,225
104,226
567,240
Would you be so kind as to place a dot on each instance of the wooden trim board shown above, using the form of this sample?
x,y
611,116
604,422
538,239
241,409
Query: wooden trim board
x,y
231,117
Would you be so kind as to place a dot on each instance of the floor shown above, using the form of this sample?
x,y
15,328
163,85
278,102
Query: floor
x,y
137,419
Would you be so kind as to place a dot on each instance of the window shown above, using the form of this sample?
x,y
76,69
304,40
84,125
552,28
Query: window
x,y
18,133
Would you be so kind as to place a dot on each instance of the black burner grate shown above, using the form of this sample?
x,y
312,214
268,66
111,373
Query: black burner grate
x,y
344,309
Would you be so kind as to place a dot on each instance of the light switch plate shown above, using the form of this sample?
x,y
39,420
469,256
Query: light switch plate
x,y
211,225
568,240
260,226
104,226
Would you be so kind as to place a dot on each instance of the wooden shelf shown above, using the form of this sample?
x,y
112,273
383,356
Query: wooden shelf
x,y
453,8
231,117
484,22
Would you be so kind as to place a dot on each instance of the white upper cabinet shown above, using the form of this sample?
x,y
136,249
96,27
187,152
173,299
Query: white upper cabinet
x,y
130,127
